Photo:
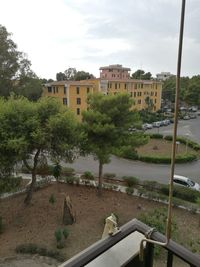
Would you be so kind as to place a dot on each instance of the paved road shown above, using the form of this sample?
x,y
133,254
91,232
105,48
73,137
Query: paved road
x,y
149,171
187,128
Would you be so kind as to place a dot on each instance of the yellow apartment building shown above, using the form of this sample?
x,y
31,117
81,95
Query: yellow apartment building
x,y
141,91
73,94
145,93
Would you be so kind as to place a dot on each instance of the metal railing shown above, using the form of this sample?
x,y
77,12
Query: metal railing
x,y
98,248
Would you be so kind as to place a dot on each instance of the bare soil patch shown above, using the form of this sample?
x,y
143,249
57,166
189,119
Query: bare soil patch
x,y
37,223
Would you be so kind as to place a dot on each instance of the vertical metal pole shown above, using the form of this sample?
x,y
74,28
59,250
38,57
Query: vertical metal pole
x,y
173,156
169,259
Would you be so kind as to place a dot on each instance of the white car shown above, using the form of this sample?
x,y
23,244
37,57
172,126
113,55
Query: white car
x,y
187,182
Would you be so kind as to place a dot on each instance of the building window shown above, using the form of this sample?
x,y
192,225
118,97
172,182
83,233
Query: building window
x,y
64,101
136,86
125,86
141,85
78,111
115,85
139,101
131,94
49,89
155,93
138,93
77,90
56,89
65,90
134,94
88,90
151,93
119,85
155,101
78,101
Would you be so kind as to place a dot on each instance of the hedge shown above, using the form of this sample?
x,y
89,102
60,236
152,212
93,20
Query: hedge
x,y
181,192
167,160
184,141
156,136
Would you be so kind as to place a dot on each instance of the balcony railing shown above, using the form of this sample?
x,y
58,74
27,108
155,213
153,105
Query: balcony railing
x,y
122,249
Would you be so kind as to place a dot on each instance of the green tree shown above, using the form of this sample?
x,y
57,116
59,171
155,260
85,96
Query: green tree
x,y
9,61
82,75
141,75
15,72
60,76
31,130
149,103
29,86
192,93
105,126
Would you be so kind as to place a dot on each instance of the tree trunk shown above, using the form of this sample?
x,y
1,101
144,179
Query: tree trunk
x,y
28,198
100,179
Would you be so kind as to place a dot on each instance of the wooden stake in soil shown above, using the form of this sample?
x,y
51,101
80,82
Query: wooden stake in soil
x,y
69,216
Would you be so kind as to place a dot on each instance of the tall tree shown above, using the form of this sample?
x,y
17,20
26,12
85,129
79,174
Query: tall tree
x,y
33,130
141,75
82,75
60,76
105,126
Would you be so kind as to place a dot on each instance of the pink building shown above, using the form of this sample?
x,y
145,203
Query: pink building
x,y
114,72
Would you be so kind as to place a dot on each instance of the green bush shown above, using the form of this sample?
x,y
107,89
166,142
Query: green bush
x,y
185,141
35,249
156,136
70,179
52,199
181,193
88,175
157,218
168,137
9,184
167,160
130,180
129,190
65,233
150,185
127,153
58,235
109,175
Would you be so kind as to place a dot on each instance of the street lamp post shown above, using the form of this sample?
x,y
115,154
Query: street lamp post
x,y
187,139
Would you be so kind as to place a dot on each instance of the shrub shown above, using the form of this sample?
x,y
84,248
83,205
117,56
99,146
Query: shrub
x,y
127,152
168,137
88,175
9,184
70,179
150,185
156,136
65,233
129,190
109,175
130,180
182,193
52,199
157,219
162,159
58,235
35,249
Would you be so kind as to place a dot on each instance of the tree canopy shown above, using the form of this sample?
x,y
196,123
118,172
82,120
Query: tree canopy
x,y
71,74
15,72
34,130
106,125
141,75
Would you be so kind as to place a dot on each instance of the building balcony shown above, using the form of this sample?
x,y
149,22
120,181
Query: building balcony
x,y
122,249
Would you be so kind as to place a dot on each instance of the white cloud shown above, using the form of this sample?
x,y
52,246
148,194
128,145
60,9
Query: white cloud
x,y
86,34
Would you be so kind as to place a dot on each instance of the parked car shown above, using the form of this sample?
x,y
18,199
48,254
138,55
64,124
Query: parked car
x,y
186,117
166,122
187,182
193,116
156,124
146,126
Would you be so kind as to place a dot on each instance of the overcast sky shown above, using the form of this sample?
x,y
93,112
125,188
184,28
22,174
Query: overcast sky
x,y
87,34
